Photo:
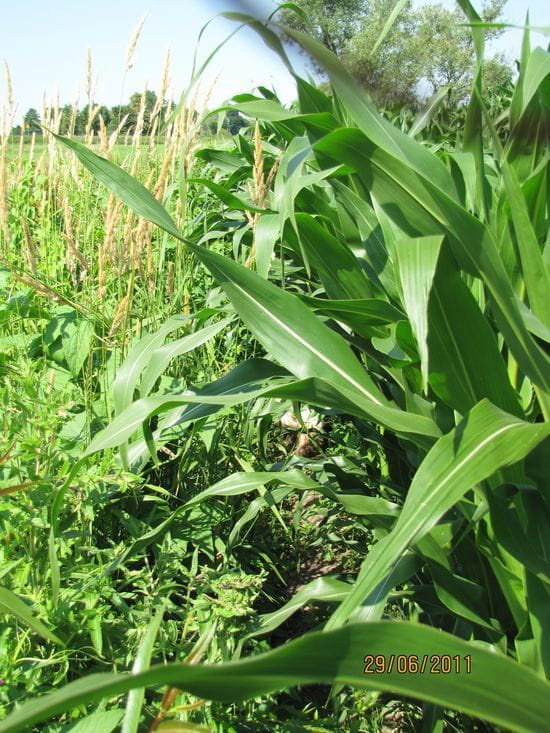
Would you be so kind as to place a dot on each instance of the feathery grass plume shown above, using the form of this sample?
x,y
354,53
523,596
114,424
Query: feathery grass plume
x,y
73,255
133,43
160,185
4,206
29,250
120,314
157,109
93,109
104,138
108,253
127,232
116,132
9,89
193,121
141,238
41,288
138,131
89,76
53,124
21,148
74,113
78,256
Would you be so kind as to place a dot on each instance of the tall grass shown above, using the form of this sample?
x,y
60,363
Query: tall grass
x,y
399,287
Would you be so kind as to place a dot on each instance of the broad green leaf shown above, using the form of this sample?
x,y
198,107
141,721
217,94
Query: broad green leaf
x,y
392,17
163,355
521,526
537,281
76,347
425,115
339,270
138,357
14,606
266,499
263,109
321,589
243,482
336,657
461,596
420,208
538,68
265,237
102,722
516,105
228,198
417,260
296,338
221,159
368,119
465,362
485,440
247,376
538,597
369,311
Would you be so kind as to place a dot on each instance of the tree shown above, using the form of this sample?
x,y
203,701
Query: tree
x,y
66,119
332,22
425,48
134,109
32,122
233,121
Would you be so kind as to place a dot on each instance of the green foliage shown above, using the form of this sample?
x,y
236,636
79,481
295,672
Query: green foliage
x,y
377,287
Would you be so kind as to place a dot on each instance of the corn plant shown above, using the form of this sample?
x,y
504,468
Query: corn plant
x,y
403,286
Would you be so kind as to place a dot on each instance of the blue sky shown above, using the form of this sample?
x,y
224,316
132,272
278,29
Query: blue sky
x,y
45,44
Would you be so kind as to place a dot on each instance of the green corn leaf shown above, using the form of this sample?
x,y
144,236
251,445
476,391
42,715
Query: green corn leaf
x,y
136,360
296,338
425,115
420,208
417,260
163,355
368,119
337,657
339,270
535,273
266,235
465,362
392,17
486,440
228,198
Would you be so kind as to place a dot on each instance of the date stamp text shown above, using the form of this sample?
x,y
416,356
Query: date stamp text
x,y
417,664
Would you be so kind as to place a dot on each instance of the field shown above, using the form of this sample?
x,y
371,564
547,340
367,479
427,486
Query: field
x,y
275,418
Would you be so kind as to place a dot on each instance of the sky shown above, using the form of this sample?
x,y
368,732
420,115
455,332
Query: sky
x,y
45,42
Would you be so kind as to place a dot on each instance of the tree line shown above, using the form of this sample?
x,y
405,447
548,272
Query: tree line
x,y
123,116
